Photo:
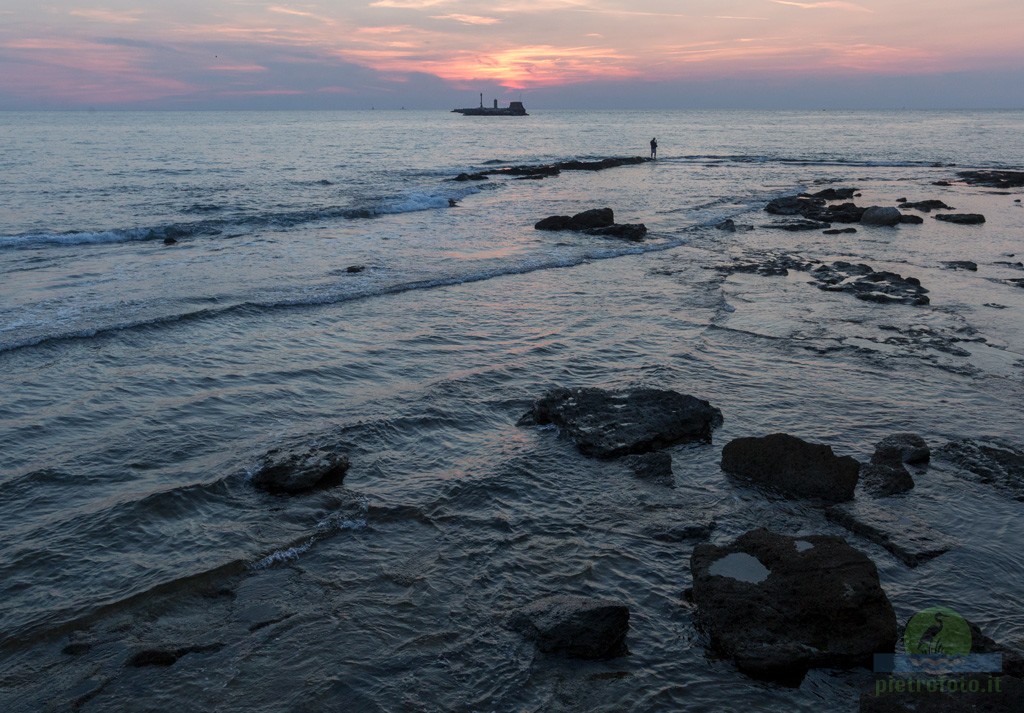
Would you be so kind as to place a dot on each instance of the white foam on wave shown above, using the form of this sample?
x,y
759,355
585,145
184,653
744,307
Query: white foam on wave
x,y
74,238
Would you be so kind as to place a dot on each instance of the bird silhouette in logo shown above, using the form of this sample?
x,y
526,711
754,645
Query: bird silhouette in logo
x,y
928,642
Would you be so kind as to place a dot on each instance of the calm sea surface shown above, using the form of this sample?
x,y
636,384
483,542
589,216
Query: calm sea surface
x,y
143,381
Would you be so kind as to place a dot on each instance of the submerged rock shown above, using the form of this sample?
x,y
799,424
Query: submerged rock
x,y
961,265
655,466
779,605
834,194
990,462
291,470
792,466
626,231
580,627
912,540
609,424
797,225
902,448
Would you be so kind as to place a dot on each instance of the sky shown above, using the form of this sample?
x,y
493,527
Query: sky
x,y
433,54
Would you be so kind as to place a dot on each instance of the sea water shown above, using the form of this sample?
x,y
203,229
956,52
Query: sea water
x,y
142,381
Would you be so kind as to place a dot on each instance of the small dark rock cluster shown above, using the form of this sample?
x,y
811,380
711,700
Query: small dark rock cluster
x,y
886,475
596,221
870,285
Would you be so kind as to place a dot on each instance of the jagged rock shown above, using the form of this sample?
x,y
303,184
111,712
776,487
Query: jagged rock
x,y
580,627
609,424
792,466
656,466
993,179
990,462
927,206
961,218
881,216
845,213
780,605
292,470
883,287
912,540
727,225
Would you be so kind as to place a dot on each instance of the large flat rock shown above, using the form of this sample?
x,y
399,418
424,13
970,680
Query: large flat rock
x,y
779,605
609,424
912,540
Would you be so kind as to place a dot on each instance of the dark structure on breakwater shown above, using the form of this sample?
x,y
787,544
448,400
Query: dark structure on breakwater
x,y
513,109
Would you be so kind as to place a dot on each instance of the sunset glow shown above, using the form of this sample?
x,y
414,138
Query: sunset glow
x,y
71,53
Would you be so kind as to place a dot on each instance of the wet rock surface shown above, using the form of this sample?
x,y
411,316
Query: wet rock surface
x,y
961,265
881,216
792,467
778,605
609,424
912,540
961,218
988,461
579,627
886,475
926,206
300,469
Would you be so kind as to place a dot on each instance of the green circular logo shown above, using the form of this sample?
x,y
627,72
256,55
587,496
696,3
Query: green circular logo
x,y
938,630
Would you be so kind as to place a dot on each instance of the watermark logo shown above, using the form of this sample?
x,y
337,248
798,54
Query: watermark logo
x,y
937,631
937,657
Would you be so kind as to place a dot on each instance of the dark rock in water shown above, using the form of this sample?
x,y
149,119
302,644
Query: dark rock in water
x,y
961,265
593,218
766,265
991,462
298,470
995,305
882,287
792,466
881,216
961,218
779,605
927,206
680,533
993,179
834,194
355,268
911,220
1013,660
941,183
656,466
471,177
884,479
606,424
553,222
794,205
912,540
845,213
899,694
580,627
838,231
626,231
902,448
170,241
797,225
727,225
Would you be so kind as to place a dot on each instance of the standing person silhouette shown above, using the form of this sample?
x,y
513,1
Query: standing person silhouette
x,y
654,148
